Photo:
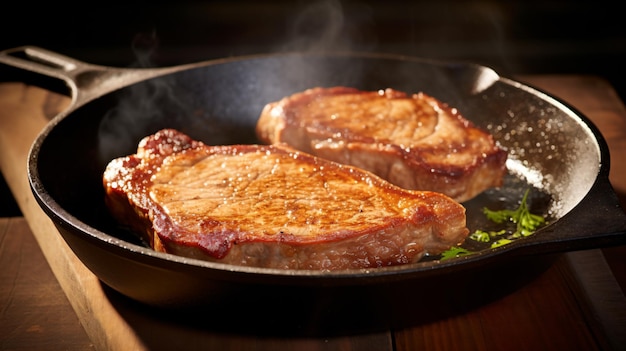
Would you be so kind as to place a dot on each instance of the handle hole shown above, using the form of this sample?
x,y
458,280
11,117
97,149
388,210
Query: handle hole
x,y
12,74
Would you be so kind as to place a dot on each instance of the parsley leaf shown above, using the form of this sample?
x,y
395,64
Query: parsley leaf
x,y
485,237
526,223
455,251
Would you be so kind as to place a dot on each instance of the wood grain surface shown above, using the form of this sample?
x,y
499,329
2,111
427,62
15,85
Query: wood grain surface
x,y
35,313
46,291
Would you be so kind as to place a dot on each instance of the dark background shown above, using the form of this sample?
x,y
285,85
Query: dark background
x,y
513,37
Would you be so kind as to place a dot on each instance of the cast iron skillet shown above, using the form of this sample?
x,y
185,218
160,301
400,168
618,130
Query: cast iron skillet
x,y
554,151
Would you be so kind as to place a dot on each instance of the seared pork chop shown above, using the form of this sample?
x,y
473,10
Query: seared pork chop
x,y
415,142
272,206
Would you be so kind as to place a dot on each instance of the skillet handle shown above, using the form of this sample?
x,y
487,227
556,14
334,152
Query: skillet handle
x,y
50,64
597,221
86,81
35,59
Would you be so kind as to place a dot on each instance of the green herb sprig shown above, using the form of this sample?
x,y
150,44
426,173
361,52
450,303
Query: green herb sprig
x,y
526,223
455,251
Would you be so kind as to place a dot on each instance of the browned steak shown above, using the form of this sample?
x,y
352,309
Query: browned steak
x,y
272,206
415,142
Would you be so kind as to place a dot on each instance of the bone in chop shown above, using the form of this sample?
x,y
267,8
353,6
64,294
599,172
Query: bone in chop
x,y
272,206
416,142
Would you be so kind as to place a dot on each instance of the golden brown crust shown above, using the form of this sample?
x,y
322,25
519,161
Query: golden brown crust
x,y
272,206
415,142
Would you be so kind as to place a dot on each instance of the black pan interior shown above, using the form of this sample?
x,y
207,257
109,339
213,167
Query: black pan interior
x,y
553,152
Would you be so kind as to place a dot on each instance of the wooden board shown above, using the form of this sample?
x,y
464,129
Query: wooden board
x,y
553,311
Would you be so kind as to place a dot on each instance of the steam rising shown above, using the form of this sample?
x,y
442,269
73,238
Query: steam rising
x,y
142,108
319,27
158,103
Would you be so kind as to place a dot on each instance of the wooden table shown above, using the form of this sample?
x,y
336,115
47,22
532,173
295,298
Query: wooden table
x,y
50,301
